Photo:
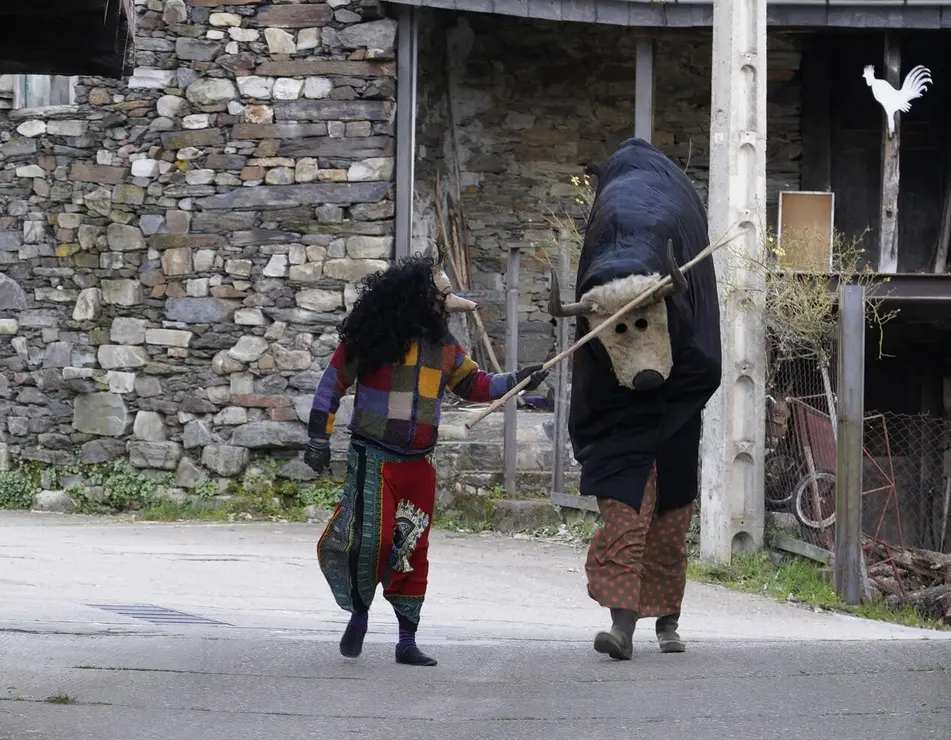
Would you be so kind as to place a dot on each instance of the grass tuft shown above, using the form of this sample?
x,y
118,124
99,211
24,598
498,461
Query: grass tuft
x,y
801,581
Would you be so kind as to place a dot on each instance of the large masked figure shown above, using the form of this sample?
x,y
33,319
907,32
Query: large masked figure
x,y
396,347
638,391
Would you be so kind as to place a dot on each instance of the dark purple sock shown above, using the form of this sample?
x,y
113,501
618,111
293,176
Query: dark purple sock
x,y
359,620
407,640
407,652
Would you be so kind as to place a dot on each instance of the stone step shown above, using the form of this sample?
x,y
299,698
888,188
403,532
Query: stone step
x,y
528,483
533,426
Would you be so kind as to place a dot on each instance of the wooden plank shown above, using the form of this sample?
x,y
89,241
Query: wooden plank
x,y
582,11
891,146
407,75
849,446
511,364
656,13
549,10
644,89
292,16
571,501
816,115
805,549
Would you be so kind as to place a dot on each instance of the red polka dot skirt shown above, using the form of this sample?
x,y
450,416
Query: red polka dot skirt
x,y
638,560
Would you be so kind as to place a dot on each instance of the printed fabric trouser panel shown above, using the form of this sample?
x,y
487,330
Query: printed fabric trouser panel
x,y
638,560
379,532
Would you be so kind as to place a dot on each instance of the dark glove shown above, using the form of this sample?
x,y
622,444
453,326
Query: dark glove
x,y
317,455
536,373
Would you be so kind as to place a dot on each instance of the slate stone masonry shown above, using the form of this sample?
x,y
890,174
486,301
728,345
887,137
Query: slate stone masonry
x,y
177,248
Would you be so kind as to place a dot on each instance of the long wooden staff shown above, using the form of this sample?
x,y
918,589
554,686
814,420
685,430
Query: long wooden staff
x,y
639,300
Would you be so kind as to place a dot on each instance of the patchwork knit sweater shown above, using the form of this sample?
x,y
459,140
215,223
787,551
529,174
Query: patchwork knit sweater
x,y
397,407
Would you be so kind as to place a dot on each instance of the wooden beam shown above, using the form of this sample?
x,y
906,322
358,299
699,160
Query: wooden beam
x,y
944,231
562,398
407,73
816,115
805,550
644,90
851,414
891,147
510,449
572,501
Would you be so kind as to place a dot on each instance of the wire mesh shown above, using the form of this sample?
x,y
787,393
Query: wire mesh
x,y
906,489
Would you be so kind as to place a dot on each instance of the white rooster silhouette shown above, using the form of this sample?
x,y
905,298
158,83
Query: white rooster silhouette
x,y
895,101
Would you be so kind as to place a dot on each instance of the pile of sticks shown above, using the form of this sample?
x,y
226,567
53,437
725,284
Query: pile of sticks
x,y
453,243
920,578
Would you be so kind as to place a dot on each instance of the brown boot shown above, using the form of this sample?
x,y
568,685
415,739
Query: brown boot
x,y
667,636
619,642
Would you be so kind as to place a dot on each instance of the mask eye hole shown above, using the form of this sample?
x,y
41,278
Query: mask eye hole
x,y
620,328
641,324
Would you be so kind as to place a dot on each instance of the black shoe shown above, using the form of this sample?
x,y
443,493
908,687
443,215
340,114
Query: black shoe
x,y
618,643
668,638
412,655
351,644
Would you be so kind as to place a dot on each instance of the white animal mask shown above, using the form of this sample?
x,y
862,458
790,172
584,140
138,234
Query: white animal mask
x,y
639,343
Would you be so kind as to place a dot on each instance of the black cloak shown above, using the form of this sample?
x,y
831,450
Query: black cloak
x,y
642,200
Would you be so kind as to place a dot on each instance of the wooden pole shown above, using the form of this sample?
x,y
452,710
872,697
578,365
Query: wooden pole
x,y
644,89
849,447
560,431
511,365
891,146
944,233
639,300
407,74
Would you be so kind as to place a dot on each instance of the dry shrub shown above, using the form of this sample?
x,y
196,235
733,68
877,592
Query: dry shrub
x,y
567,228
799,309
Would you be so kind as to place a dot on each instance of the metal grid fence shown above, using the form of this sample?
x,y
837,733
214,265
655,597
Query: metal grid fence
x,y
906,488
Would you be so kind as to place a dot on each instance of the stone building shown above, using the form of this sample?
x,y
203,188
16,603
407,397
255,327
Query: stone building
x,y
176,247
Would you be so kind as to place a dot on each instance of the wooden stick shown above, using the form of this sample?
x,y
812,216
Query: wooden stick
x,y
486,342
639,300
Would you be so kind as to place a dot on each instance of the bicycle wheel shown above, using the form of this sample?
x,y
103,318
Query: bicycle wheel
x,y
816,509
781,474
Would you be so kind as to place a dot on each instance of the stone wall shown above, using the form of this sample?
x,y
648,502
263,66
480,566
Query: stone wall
x,y
177,248
537,100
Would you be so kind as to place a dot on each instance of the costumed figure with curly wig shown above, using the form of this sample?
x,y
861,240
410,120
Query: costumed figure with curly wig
x,y
396,346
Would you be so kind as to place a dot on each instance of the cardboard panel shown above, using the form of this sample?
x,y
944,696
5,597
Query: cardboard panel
x,y
806,230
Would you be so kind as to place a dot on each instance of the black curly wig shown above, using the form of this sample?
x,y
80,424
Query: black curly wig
x,y
396,307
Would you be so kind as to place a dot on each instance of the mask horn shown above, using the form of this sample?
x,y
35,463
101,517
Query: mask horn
x,y
678,282
560,310
455,304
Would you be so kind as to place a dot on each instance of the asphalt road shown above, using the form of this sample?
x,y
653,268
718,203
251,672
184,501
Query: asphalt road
x,y
508,620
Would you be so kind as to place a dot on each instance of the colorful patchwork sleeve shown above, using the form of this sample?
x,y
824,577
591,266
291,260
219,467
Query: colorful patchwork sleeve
x,y
472,383
335,381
